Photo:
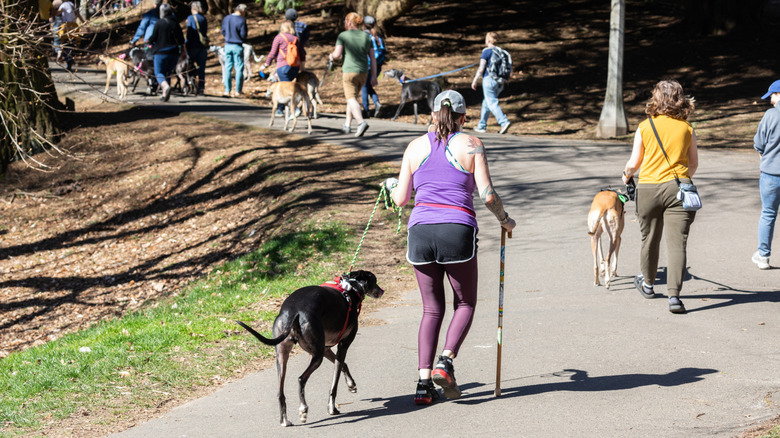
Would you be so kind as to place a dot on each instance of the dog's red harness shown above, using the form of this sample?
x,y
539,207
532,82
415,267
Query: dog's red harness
x,y
337,284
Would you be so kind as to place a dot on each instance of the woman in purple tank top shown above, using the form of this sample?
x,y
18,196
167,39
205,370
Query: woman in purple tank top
x,y
444,167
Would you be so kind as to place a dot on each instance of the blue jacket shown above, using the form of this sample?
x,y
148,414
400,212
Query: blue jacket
x,y
146,27
767,141
234,29
193,38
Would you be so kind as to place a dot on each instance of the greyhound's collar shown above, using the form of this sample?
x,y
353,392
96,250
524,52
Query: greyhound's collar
x,y
344,285
402,79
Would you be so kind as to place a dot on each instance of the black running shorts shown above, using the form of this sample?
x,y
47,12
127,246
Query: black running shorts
x,y
441,243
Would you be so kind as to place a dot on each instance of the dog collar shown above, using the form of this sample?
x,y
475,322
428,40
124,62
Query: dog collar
x,y
623,198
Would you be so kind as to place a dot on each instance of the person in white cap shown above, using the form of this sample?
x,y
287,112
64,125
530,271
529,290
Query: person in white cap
x,y
378,40
444,167
767,143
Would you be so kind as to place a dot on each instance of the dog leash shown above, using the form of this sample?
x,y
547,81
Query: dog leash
x,y
436,75
389,205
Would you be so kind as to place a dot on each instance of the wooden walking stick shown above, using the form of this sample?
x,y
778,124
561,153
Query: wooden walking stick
x,y
500,311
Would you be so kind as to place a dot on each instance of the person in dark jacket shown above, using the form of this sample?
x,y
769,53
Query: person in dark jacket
x,y
197,26
235,32
168,40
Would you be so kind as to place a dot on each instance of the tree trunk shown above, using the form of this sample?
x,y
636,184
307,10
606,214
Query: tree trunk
x,y
28,99
386,12
222,8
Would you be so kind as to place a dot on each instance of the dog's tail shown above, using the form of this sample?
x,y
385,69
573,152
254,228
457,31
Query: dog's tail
x,y
594,220
273,341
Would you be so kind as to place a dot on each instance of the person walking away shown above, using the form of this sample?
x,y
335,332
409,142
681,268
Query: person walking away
x,y
491,88
359,65
378,43
197,43
235,32
67,32
143,33
280,49
443,167
168,42
301,29
657,207
146,26
767,143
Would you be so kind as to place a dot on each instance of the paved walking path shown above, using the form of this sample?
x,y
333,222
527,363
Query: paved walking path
x,y
578,360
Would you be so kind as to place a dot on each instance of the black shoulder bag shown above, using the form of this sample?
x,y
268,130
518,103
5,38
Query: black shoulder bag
x,y
688,193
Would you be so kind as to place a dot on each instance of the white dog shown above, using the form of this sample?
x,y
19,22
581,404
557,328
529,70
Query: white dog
x,y
249,54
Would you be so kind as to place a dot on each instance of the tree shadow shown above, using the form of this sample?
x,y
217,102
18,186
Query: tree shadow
x,y
183,200
578,381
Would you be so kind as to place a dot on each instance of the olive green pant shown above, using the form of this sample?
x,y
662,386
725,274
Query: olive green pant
x,y
660,212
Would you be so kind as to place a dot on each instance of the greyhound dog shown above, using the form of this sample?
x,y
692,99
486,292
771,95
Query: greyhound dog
x,y
317,318
414,91
291,94
185,75
312,84
118,66
606,215
249,54
142,66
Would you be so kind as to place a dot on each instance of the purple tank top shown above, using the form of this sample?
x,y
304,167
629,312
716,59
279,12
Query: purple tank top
x,y
437,181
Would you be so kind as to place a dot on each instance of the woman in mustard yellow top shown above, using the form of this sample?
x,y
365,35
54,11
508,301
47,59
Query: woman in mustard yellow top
x,y
657,206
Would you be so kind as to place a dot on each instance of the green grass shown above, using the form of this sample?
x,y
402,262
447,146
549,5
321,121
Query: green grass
x,y
772,433
169,346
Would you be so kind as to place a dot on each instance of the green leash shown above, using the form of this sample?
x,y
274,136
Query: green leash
x,y
389,205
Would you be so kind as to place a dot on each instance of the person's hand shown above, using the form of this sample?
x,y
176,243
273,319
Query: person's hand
x,y
374,82
509,225
391,183
474,85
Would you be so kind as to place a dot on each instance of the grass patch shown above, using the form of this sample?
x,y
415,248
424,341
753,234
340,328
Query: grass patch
x,y
171,346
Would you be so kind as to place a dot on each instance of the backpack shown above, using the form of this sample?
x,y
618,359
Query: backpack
x,y
500,68
292,57
380,52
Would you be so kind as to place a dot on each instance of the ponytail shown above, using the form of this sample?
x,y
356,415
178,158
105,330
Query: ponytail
x,y
446,121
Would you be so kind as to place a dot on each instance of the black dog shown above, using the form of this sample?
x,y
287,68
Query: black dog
x,y
185,76
317,318
414,91
142,66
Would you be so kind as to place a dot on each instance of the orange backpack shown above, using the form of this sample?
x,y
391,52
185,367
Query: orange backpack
x,y
292,57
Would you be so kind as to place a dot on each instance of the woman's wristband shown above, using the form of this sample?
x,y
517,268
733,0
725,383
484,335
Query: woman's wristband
x,y
505,219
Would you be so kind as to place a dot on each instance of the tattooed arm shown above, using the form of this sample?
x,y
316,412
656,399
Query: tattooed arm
x,y
485,185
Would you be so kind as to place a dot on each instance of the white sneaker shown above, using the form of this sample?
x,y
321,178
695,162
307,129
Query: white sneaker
x,y
480,130
361,129
762,262
346,129
504,128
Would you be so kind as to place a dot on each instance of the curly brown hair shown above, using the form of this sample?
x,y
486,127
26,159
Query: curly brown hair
x,y
668,99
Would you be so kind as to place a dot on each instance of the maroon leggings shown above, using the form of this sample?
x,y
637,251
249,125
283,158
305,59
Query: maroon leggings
x,y
430,279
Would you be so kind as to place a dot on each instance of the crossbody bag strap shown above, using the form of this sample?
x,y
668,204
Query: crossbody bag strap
x,y
658,138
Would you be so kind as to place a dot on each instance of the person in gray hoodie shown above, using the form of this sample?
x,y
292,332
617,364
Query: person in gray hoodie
x,y
767,143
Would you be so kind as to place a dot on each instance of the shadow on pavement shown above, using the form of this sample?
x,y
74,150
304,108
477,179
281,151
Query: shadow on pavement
x,y
578,381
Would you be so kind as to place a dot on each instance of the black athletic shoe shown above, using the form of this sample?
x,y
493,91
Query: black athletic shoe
x,y
646,292
444,376
426,394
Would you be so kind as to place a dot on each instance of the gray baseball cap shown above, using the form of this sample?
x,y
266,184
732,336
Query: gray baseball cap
x,y
457,103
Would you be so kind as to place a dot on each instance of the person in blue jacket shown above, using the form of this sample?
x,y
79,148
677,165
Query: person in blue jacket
x,y
767,143
148,20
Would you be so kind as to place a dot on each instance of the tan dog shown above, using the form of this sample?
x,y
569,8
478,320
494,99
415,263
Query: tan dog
x,y
312,88
119,67
291,94
606,215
